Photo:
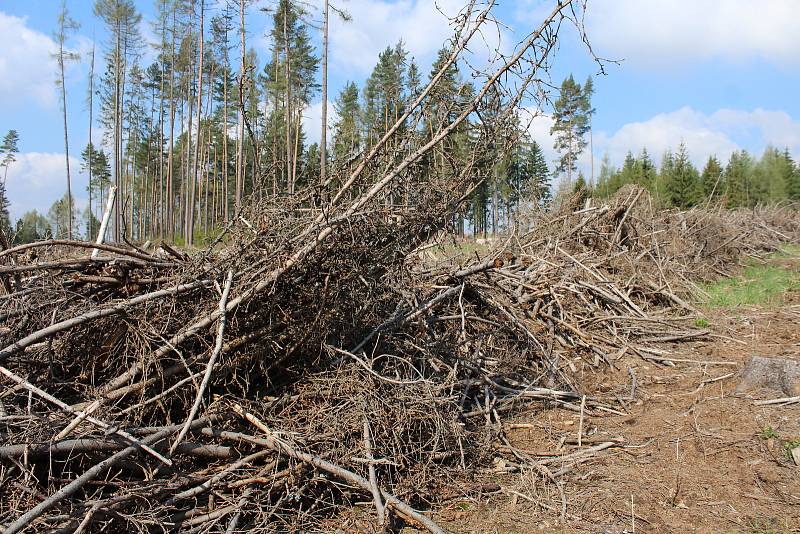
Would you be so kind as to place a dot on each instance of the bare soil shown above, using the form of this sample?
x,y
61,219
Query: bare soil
x,y
697,456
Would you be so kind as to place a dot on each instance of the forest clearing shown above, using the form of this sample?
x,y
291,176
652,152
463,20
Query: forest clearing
x,y
243,330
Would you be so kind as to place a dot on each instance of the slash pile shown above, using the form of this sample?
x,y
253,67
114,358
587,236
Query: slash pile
x,y
271,383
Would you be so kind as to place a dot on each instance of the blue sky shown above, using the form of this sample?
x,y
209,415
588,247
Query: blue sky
x,y
721,75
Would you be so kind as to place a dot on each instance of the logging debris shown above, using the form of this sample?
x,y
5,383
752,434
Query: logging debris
x,y
250,386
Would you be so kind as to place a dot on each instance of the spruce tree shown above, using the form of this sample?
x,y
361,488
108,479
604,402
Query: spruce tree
x,y
539,174
682,184
629,174
793,181
711,178
647,171
346,134
737,179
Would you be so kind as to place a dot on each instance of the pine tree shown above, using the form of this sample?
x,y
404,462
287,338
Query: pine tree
x,y
384,100
571,122
122,21
292,73
8,151
5,218
711,178
588,110
95,164
66,25
8,155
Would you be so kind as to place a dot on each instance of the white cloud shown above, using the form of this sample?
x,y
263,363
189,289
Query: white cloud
x,y
654,32
718,133
37,179
312,122
422,24
26,68
702,134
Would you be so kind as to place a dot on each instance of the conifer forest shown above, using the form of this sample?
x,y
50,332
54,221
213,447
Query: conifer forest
x,y
473,288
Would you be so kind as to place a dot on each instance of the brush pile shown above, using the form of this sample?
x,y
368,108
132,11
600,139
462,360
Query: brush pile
x,y
252,388
321,355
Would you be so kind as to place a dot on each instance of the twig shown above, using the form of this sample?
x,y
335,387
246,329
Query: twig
x,y
782,401
279,446
210,365
373,479
27,519
97,422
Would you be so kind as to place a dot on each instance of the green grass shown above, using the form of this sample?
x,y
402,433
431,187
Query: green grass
x,y
758,284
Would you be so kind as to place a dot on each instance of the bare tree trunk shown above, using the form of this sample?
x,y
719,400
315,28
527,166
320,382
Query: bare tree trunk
x,y
591,149
240,132
195,165
91,146
323,141
101,233
66,133
117,128
225,132
296,146
288,110
170,209
495,202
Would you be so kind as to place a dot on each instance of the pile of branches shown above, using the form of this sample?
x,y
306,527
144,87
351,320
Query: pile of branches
x,y
165,391
314,358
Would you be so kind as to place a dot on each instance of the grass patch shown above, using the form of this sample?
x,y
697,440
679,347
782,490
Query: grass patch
x,y
758,284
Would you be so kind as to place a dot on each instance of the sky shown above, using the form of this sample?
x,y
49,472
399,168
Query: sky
x,y
718,75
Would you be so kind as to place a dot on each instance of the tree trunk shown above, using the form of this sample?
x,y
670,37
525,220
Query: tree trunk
x,y
225,132
66,133
288,110
91,146
117,125
323,141
240,132
195,165
170,209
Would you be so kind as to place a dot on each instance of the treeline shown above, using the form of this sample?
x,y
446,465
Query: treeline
x,y
742,181
209,125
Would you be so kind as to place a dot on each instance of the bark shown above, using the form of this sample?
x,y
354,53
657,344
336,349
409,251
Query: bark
x,y
288,110
195,165
240,131
323,141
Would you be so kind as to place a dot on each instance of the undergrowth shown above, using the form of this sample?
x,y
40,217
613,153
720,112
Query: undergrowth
x,y
763,284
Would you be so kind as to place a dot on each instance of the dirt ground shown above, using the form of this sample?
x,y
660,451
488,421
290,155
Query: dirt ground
x,y
696,456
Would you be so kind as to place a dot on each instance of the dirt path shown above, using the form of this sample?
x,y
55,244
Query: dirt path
x,y
698,457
